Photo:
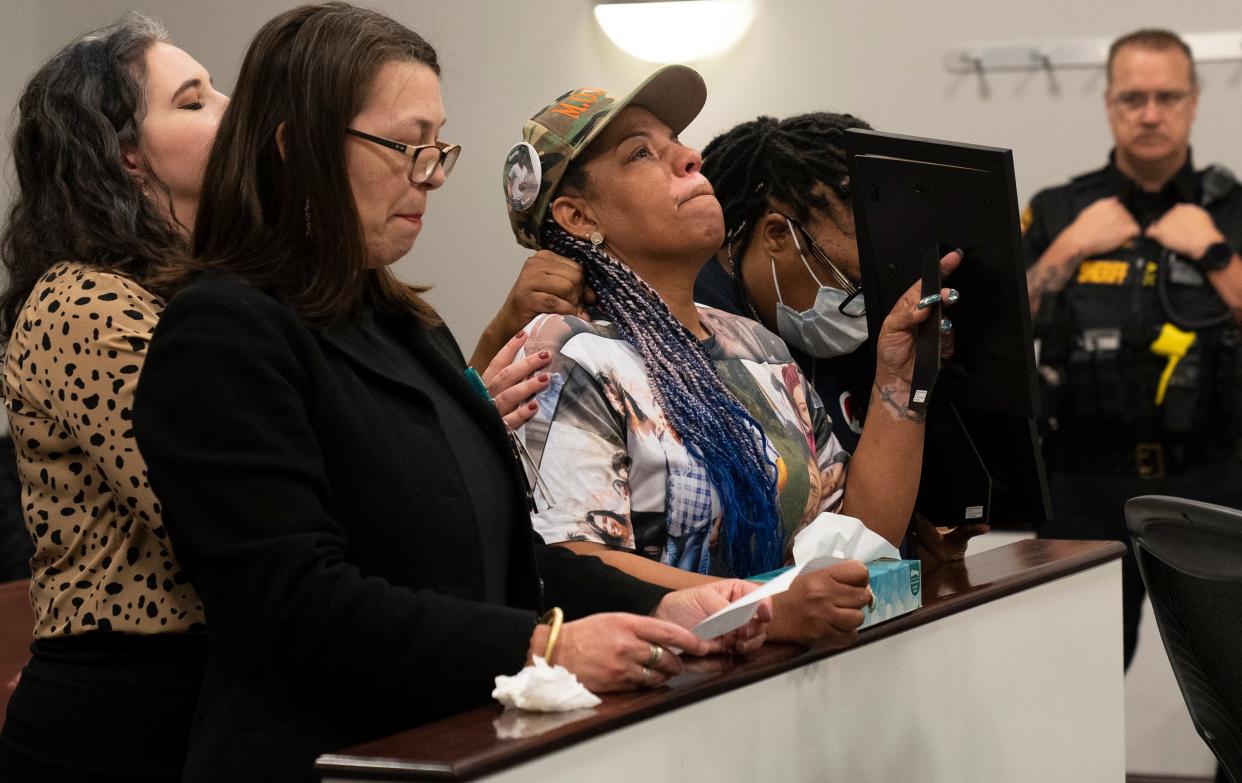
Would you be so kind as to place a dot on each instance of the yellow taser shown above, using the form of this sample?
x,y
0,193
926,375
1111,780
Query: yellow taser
x,y
1173,344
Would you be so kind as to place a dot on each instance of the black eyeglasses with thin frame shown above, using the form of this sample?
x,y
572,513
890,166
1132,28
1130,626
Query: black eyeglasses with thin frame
x,y
1135,101
854,305
424,158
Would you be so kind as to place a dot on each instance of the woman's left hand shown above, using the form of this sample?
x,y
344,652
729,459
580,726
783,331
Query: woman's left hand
x,y
692,605
514,384
939,546
895,343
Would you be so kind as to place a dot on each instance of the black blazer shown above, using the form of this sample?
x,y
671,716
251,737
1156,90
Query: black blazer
x,y
313,501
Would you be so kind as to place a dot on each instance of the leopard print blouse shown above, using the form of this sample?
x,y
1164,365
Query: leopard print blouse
x,y
102,558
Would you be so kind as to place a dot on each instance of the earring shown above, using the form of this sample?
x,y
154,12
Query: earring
x,y
306,211
596,238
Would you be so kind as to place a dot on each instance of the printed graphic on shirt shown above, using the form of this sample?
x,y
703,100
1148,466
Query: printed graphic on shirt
x,y
849,410
609,456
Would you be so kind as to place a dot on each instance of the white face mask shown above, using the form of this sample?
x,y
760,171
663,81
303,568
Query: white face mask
x,y
823,331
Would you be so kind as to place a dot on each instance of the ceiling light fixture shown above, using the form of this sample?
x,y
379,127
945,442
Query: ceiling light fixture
x,y
675,32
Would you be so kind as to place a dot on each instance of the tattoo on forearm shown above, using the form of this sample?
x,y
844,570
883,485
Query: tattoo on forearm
x,y
1047,279
896,398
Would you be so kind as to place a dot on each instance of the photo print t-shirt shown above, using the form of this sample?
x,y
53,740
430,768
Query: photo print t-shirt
x,y
611,464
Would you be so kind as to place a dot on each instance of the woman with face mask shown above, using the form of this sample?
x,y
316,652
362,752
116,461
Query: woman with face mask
x,y
790,261
109,149
720,471
790,258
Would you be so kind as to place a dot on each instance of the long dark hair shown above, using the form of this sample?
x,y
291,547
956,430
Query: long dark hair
x,y
74,199
287,223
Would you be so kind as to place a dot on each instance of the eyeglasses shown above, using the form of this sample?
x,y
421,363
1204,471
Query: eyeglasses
x,y
853,306
424,158
1134,101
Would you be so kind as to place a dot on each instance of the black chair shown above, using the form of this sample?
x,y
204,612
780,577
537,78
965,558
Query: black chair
x,y
1190,556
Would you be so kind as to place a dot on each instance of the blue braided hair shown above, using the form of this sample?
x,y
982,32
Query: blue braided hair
x,y
712,424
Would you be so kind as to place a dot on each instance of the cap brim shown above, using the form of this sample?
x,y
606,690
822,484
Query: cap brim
x,y
675,94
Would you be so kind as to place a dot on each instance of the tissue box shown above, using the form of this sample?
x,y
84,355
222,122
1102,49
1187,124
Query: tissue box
x,y
896,584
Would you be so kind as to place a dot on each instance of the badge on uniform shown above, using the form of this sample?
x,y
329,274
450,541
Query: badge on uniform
x,y
523,176
1183,272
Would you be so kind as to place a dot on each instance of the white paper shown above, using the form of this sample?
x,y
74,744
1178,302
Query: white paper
x,y
830,538
738,613
543,688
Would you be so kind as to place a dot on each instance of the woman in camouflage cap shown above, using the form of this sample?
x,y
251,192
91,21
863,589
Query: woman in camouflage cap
x,y
696,404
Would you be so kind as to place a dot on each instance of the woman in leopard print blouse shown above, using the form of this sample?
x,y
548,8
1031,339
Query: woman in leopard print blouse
x,y
109,151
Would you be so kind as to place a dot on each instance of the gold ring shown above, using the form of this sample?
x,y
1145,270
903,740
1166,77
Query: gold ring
x,y
870,598
646,677
656,653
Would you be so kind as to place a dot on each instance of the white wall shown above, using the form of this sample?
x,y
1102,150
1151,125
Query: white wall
x,y
19,55
880,60
1160,739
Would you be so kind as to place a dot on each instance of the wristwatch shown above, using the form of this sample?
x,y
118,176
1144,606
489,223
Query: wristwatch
x,y
1216,257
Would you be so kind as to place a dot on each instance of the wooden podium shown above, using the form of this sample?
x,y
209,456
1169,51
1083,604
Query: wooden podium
x,y
1011,671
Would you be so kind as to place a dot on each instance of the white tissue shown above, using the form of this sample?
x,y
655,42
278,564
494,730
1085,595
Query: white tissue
x,y
838,537
543,688
830,538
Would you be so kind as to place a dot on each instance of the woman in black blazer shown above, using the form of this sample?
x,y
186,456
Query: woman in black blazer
x,y
345,502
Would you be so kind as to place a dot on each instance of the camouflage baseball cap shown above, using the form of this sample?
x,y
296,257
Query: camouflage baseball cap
x,y
560,131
